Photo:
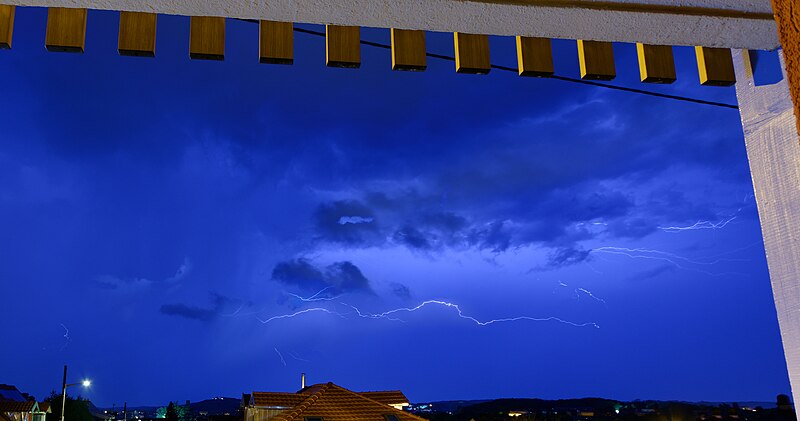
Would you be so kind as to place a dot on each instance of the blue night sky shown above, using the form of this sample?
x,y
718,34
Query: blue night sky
x,y
158,214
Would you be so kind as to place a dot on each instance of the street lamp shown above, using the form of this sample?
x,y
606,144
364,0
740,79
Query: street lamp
x,y
64,386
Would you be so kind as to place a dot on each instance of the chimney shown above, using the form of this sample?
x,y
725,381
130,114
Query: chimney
x,y
302,381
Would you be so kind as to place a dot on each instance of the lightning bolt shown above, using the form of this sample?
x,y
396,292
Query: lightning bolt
x,y
297,313
589,293
372,316
315,297
674,259
280,355
291,354
387,314
66,336
702,225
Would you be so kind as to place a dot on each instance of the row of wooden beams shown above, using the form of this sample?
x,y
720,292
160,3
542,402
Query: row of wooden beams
x,y
66,31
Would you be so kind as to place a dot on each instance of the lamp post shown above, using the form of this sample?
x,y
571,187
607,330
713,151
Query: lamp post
x,y
64,386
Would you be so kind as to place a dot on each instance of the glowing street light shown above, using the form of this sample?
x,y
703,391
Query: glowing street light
x,y
64,386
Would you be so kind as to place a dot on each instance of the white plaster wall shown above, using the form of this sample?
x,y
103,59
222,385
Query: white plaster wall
x,y
773,150
476,16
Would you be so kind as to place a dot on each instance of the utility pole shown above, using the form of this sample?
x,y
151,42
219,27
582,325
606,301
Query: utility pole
x,y
64,393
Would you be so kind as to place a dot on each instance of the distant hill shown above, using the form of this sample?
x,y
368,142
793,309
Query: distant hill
x,y
539,404
453,406
217,406
213,406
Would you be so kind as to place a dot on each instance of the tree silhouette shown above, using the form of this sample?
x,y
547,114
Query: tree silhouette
x,y
76,409
172,414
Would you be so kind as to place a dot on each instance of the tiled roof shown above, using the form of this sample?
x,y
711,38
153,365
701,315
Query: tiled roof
x,y
388,397
334,403
15,406
288,400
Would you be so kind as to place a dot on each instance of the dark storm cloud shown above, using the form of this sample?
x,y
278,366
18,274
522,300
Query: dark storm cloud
x,y
401,290
347,222
566,256
192,312
492,236
347,277
189,312
337,278
301,273
412,238
556,218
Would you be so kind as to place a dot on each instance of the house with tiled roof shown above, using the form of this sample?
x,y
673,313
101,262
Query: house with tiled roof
x,y
18,406
22,411
326,402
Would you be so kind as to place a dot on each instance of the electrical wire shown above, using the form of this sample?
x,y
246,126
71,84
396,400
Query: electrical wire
x,y
561,78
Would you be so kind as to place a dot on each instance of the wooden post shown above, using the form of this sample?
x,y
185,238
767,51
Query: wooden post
x,y
535,56
343,46
408,50
137,34
6,26
66,30
656,63
276,42
207,38
773,151
715,66
596,60
472,53
787,16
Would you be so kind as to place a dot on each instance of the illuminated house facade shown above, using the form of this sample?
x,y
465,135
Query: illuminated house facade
x,y
326,402
16,406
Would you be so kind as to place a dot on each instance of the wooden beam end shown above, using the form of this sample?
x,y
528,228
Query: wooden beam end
x,y
63,49
207,56
343,64
136,53
274,60
659,80
534,73
409,67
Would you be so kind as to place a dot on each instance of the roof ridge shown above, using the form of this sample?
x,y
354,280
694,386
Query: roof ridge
x,y
389,407
306,403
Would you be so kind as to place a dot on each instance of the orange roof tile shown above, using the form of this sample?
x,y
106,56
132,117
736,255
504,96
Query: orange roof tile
x,y
279,399
388,397
335,403
16,406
